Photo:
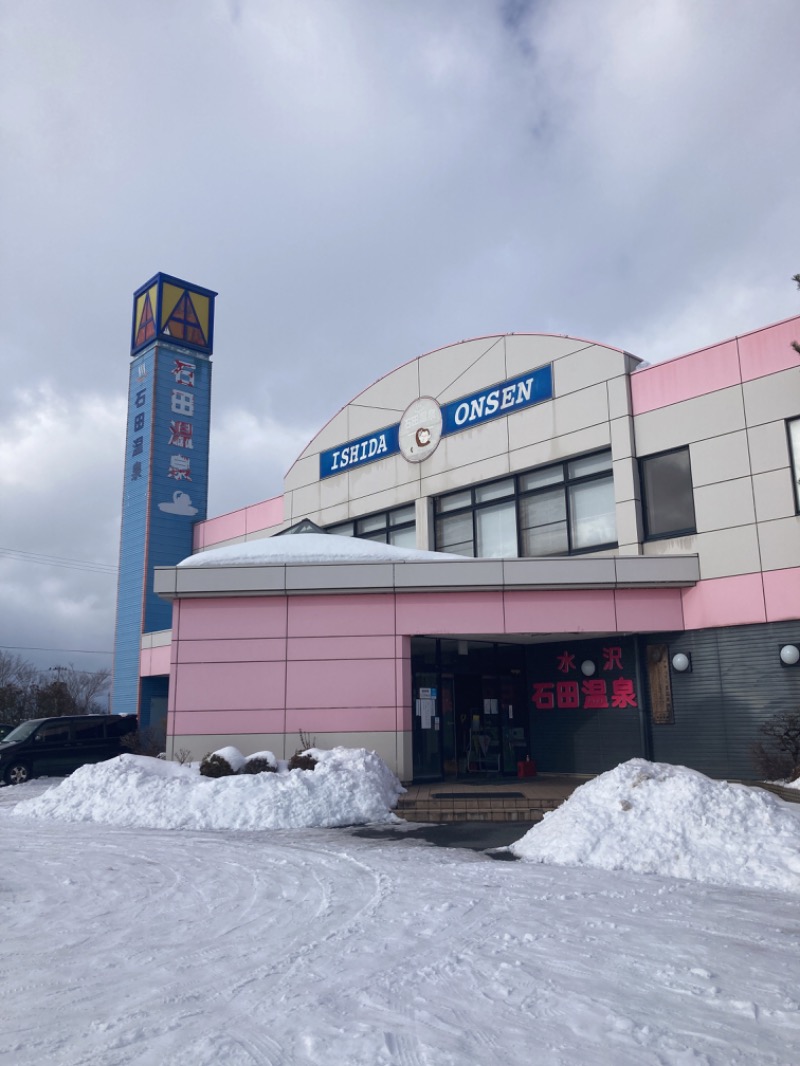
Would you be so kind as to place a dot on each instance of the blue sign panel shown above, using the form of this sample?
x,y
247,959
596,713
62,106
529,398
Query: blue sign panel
x,y
360,452
166,492
498,400
494,402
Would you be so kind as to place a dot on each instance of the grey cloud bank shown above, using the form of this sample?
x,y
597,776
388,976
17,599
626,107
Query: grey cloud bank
x,y
361,182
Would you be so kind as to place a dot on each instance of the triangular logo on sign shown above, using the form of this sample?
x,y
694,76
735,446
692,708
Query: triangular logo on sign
x,y
147,325
184,324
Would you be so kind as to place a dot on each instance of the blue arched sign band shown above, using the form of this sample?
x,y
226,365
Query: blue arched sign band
x,y
504,398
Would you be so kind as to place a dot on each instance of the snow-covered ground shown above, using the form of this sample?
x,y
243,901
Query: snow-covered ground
x,y
131,945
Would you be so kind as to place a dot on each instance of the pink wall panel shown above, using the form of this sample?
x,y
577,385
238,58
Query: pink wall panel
x,y
347,683
724,601
340,720
362,647
226,527
155,661
782,594
264,515
450,612
235,650
769,350
228,617
685,377
357,615
403,720
648,610
214,686
228,722
561,611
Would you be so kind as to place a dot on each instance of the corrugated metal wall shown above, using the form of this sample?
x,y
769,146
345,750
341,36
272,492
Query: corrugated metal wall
x,y
584,741
736,682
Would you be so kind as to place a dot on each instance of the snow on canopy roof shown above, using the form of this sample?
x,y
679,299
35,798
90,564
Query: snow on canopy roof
x,y
312,548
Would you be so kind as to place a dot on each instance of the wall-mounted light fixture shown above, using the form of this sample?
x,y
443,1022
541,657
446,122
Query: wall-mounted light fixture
x,y
587,668
682,663
790,655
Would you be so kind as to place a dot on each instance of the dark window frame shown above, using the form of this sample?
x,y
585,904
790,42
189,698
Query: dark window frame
x,y
668,535
794,461
389,525
517,495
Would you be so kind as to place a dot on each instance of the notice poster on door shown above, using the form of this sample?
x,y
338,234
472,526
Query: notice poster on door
x,y
426,711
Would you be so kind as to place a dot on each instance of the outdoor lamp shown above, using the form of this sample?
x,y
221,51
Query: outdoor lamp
x,y
681,662
587,668
790,654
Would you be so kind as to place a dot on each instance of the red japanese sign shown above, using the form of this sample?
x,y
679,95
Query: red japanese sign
x,y
585,691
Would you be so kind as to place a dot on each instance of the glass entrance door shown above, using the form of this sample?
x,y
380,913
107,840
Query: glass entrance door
x,y
469,715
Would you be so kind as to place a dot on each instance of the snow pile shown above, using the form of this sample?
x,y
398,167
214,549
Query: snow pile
x,y
347,787
312,548
655,818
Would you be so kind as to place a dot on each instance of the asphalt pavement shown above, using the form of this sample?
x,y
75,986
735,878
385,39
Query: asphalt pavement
x,y
475,836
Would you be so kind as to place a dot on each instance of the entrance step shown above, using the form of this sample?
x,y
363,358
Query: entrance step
x,y
448,804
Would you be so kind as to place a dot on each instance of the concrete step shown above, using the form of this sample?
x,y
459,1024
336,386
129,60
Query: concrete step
x,y
488,808
437,815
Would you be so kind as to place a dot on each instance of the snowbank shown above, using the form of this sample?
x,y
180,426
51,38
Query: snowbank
x,y
348,787
655,818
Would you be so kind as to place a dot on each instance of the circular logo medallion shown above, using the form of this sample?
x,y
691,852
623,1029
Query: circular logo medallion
x,y
420,429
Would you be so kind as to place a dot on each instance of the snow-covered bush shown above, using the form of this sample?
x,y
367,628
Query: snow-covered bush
x,y
262,762
777,753
216,765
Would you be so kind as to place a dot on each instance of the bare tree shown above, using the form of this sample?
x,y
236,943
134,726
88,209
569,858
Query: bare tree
x,y
19,687
84,688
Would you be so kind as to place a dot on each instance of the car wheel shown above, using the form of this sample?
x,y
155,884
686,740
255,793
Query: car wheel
x,y
17,774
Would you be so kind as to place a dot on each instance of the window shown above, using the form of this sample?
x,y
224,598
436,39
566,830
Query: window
x,y
55,733
398,527
667,491
793,429
561,509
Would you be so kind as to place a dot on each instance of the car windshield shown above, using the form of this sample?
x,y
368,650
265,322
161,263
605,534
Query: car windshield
x,y
22,732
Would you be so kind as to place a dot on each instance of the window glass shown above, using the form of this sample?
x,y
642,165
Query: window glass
x,y
403,538
402,514
53,734
371,523
590,464
668,499
592,514
496,529
543,523
555,510
120,727
454,534
454,501
794,447
346,529
494,491
91,729
537,479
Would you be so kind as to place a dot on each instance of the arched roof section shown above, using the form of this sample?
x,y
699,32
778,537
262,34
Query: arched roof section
x,y
456,370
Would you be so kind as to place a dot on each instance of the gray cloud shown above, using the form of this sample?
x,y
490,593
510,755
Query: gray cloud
x,y
361,181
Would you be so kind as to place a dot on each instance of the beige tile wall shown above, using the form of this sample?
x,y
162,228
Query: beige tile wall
x,y
744,501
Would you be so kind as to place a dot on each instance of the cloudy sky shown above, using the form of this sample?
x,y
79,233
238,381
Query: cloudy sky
x,y
361,181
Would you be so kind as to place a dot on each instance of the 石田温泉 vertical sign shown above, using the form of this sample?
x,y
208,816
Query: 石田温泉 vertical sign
x,y
166,460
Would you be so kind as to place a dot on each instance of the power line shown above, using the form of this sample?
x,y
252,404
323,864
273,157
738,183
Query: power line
x,y
70,651
57,560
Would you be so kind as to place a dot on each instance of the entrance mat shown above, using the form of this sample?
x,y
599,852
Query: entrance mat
x,y
477,795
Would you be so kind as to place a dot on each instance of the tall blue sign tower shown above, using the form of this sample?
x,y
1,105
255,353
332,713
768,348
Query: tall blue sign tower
x,y
166,471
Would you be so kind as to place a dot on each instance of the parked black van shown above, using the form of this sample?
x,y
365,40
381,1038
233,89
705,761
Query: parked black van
x,y
57,746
